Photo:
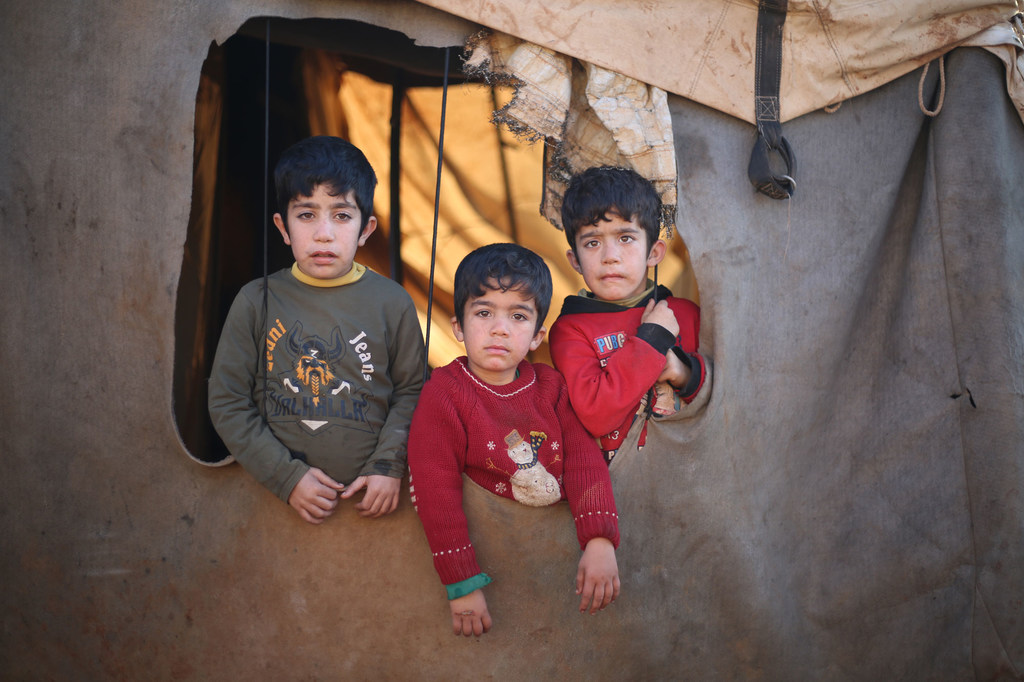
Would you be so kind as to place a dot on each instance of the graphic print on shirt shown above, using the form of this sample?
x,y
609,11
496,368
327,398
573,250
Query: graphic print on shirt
x,y
607,344
532,484
666,400
308,385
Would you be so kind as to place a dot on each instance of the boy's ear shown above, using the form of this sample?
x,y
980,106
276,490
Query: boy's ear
x,y
279,221
537,338
457,330
371,225
658,252
573,261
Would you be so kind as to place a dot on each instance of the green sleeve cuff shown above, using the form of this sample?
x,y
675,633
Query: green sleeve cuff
x,y
464,587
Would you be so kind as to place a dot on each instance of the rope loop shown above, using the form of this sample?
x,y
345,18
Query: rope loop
x,y
942,88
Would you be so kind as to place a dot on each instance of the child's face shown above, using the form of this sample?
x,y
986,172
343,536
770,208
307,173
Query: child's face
x,y
613,258
498,331
324,232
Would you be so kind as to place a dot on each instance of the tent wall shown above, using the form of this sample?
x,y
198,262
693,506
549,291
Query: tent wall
x,y
848,507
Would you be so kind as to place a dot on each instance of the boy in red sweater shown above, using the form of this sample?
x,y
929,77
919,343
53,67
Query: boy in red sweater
x,y
508,426
626,347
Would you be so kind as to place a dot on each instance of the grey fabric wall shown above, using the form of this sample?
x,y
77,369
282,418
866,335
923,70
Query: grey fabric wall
x,y
844,509
834,514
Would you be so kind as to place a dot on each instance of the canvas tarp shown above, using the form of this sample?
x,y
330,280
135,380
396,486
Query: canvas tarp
x,y
847,507
704,49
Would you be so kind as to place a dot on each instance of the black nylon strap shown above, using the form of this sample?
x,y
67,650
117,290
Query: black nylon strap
x,y
771,15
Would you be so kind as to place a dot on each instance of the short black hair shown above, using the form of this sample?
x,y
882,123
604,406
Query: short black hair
x,y
602,190
335,163
505,267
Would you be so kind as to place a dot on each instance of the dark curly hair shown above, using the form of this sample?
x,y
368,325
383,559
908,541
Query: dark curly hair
x,y
505,267
602,190
335,163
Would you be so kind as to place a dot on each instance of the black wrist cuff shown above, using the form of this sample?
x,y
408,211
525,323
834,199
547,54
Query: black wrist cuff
x,y
696,373
656,336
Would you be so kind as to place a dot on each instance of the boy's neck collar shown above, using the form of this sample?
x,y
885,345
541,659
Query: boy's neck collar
x,y
525,377
626,302
354,273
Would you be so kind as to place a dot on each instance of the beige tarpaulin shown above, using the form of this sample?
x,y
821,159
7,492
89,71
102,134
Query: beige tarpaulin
x,y
592,117
704,49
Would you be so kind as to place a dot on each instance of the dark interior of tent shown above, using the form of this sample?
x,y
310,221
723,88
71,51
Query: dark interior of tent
x,y
238,135
386,94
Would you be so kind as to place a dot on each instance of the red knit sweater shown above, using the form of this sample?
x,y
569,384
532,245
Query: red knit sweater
x,y
610,362
521,441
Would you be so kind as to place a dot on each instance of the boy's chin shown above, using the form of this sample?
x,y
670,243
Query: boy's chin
x,y
324,271
494,374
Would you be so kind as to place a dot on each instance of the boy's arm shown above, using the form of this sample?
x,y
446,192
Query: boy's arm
x,y
692,383
437,445
605,396
588,485
405,366
232,403
589,491
597,578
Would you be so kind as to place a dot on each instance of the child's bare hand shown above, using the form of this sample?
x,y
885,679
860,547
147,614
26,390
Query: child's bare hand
x,y
470,615
675,372
315,496
381,494
597,580
660,314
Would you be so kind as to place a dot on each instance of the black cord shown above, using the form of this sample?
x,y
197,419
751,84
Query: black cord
x,y
437,204
266,182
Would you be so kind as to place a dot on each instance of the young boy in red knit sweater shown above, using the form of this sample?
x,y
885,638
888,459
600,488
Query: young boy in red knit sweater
x,y
508,426
626,348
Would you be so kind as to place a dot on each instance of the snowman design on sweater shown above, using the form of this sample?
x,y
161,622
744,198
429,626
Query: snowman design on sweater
x,y
532,484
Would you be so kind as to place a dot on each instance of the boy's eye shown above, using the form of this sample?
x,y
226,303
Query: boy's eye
x,y
305,215
483,313
627,238
342,216
590,243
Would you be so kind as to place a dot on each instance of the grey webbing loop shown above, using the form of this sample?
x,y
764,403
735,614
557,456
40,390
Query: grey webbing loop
x,y
771,16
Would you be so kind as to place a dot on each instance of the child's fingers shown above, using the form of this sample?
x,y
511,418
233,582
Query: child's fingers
x,y
377,502
599,595
326,480
309,518
354,487
372,504
584,588
469,623
595,601
456,624
381,505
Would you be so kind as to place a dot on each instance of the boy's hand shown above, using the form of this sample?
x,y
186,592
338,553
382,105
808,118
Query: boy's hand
x,y
597,579
661,315
675,372
470,615
315,496
381,494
